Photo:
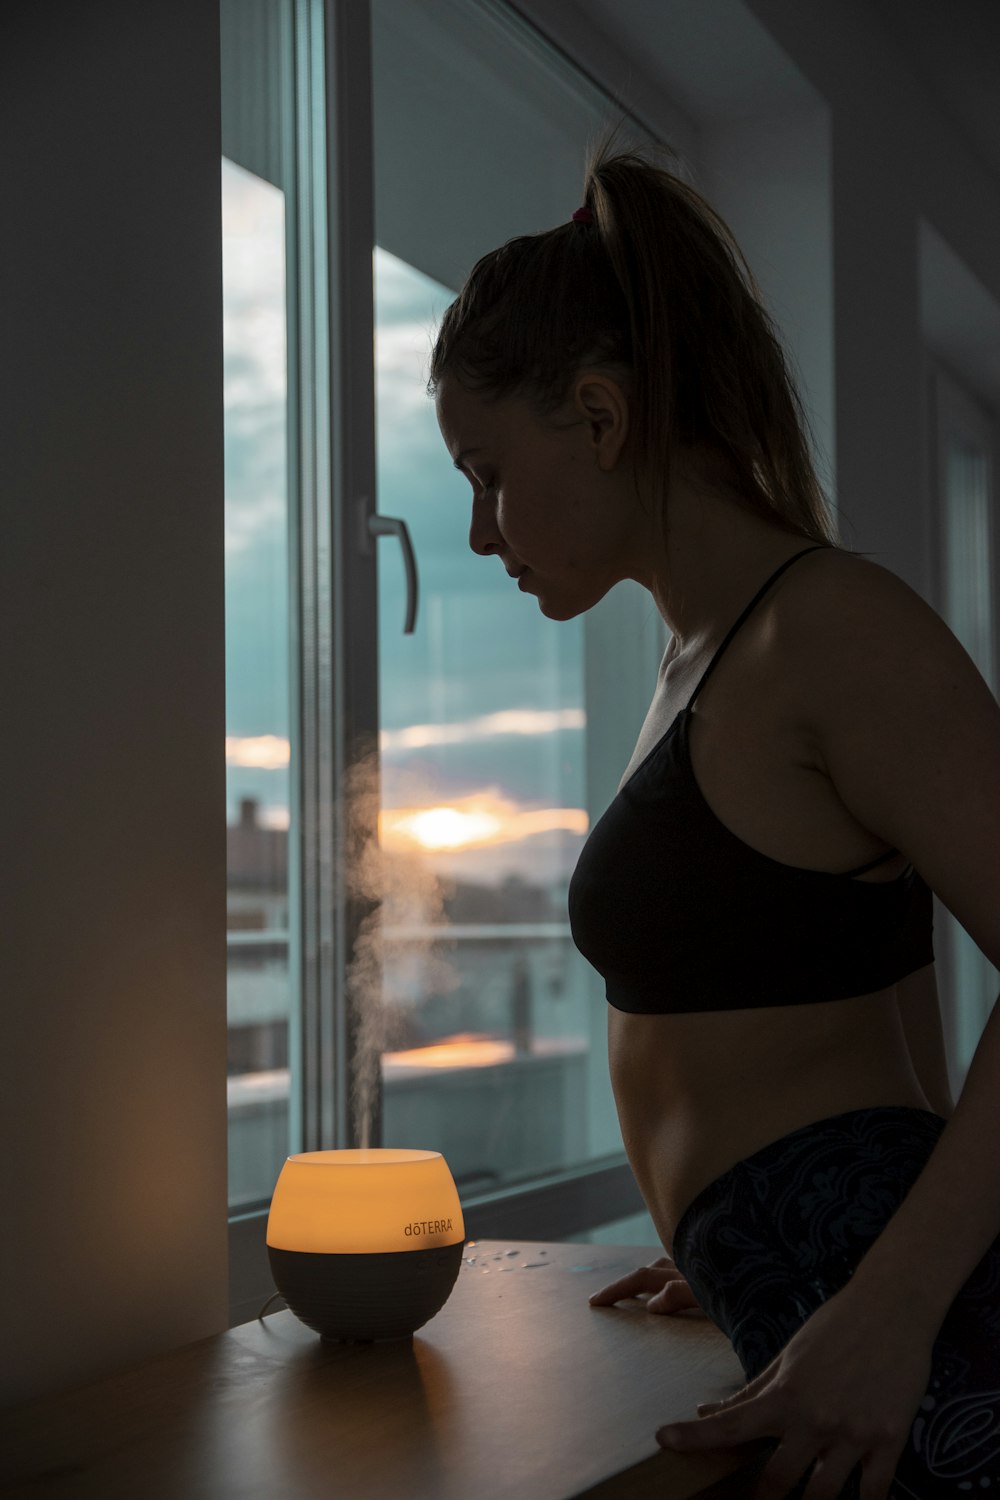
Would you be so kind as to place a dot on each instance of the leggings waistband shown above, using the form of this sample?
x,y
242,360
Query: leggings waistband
x,y
852,1124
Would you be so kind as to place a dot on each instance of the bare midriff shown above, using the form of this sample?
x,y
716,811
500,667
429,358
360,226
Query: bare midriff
x,y
697,1092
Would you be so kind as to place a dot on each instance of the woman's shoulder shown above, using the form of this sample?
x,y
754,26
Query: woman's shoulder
x,y
843,599
902,722
856,642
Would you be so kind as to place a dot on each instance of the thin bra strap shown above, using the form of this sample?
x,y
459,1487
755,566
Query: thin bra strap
x,y
756,598
862,869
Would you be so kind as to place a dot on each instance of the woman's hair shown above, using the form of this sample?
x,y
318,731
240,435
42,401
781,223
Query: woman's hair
x,y
656,292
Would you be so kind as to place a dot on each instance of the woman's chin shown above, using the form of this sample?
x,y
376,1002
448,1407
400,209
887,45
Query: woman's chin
x,y
555,608
564,611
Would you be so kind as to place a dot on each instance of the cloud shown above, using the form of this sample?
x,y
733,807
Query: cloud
x,y
271,752
253,278
254,358
483,821
511,721
403,343
245,522
266,752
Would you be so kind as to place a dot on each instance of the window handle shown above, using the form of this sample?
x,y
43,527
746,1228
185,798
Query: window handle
x,y
394,526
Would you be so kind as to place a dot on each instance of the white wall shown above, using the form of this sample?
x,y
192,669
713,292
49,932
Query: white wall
x,y
112,965
897,157
916,267
769,178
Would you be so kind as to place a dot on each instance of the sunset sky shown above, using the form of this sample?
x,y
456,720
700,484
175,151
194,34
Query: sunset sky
x,y
481,706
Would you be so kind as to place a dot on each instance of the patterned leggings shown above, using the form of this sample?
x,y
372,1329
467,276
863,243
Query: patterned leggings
x,y
765,1245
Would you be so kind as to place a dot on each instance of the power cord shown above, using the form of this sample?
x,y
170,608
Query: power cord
x,y
274,1297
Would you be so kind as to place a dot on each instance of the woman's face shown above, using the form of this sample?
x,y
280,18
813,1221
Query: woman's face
x,y
554,504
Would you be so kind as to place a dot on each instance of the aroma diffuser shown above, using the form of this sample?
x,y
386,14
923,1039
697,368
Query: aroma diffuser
x,y
365,1244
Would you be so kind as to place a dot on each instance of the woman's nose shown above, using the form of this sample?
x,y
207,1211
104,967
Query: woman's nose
x,y
484,538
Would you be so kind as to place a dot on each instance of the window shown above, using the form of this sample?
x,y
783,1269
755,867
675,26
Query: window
x,y
482,1032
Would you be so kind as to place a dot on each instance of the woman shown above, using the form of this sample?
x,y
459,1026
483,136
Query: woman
x,y
758,895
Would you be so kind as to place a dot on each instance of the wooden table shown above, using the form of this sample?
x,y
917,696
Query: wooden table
x,y
518,1388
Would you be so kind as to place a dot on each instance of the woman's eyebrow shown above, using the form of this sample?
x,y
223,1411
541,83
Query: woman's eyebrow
x,y
465,454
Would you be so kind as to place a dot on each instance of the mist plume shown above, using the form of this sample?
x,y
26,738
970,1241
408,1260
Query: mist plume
x,y
384,976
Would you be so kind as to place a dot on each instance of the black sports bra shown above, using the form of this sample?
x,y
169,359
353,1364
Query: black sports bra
x,y
678,914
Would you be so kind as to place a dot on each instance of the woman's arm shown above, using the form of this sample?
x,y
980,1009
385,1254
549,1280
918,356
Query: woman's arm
x,y
920,1013
909,734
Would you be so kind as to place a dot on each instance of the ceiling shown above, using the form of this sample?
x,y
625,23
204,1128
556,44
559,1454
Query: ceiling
x,y
952,46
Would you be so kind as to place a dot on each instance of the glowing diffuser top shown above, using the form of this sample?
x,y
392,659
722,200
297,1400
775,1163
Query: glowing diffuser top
x,y
364,1201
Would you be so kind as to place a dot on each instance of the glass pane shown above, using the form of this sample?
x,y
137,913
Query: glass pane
x,y
483,799
968,582
254,225
496,1045
969,610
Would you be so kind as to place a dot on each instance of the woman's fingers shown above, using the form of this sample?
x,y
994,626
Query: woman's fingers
x,y
644,1279
661,1279
676,1296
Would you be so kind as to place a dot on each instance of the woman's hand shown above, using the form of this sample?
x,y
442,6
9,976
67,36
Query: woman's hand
x,y
671,1293
843,1392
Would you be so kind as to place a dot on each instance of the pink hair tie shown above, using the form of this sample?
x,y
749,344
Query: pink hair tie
x,y
584,216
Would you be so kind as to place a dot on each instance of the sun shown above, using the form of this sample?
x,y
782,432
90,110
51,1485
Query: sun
x,y
449,828
482,821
